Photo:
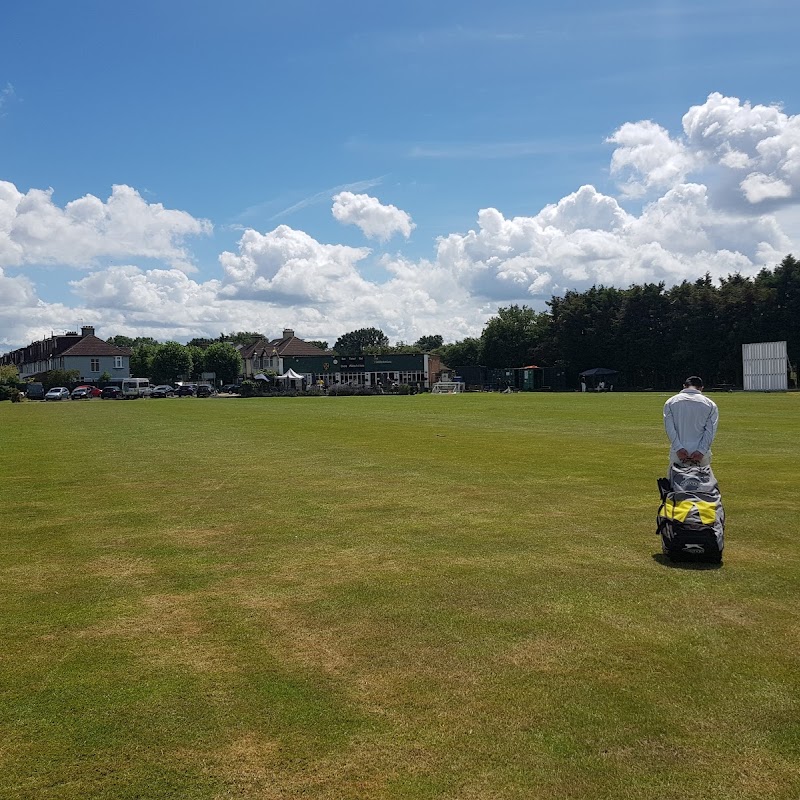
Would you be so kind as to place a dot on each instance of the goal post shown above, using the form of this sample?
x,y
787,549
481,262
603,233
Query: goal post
x,y
447,387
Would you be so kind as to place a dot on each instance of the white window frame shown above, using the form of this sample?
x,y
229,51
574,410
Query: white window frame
x,y
117,362
94,365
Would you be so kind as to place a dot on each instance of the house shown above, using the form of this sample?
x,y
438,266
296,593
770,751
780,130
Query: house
x,y
270,354
327,367
83,351
420,370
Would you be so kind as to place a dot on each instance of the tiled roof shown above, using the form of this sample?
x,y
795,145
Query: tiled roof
x,y
292,346
92,346
246,351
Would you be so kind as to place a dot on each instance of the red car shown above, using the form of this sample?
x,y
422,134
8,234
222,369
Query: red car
x,y
92,391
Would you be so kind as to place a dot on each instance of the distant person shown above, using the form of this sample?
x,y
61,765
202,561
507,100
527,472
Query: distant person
x,y
691,419
583,384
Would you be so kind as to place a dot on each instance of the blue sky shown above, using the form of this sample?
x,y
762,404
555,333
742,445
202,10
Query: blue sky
x,y
245,120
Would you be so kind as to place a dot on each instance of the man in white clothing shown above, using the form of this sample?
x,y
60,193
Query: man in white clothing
x,y
691,420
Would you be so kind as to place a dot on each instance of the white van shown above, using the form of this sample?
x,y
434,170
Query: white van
x,y
136,387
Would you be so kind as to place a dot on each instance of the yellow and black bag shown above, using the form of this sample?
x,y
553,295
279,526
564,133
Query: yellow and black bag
x,y
691,519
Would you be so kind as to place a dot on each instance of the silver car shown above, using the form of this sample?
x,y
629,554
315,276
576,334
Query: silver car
x,y
57,393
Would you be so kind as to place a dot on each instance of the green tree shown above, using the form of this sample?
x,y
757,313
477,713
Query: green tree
x,y
640,337
142,359
784,281
244,337
428,343
120,341
466,353
9,374
355,342
105,377
745,313
511,338
127,341
171,360
583,330
695,338
317,343
198,357
397,349
223,359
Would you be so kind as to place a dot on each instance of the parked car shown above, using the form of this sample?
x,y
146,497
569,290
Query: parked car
x,y
85,392
204,391
58,393
230,388
162,391
111,393
187,390
34,391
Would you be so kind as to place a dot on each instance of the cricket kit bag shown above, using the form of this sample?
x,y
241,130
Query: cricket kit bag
x,y
691,519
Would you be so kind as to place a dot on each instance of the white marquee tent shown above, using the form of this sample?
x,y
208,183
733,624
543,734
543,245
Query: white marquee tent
x,y
290,375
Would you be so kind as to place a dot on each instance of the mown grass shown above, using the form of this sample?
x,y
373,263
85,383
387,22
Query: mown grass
x,y
391,597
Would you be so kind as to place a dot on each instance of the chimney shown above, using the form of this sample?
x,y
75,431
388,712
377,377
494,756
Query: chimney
x,y
288,333
87,330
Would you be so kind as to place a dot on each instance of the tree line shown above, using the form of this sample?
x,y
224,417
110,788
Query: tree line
x,y
652,335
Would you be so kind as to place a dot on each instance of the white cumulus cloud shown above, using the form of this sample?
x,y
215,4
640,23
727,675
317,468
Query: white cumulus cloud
x,y
649,158
587,238
24,317
376,220
758,187
34,230
747,154
291,266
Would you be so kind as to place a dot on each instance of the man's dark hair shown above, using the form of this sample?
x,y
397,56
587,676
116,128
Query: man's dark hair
x,y
694,380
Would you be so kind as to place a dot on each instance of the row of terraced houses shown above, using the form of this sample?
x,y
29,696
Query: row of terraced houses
x,y
92,357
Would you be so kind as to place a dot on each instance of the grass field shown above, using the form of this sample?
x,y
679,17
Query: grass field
x,y
391,597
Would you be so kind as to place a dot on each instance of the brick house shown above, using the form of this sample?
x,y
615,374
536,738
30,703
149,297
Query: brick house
x,y
270,354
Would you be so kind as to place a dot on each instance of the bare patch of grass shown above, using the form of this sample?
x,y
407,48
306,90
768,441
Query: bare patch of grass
x,y
120,568
252,768
198,536
169,630
303,643
546,653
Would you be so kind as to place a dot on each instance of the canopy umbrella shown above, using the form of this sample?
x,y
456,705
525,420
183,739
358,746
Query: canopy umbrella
x,y
597,377
597,372
260,377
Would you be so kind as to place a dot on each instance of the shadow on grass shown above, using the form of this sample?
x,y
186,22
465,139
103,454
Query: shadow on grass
x,y
665,561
